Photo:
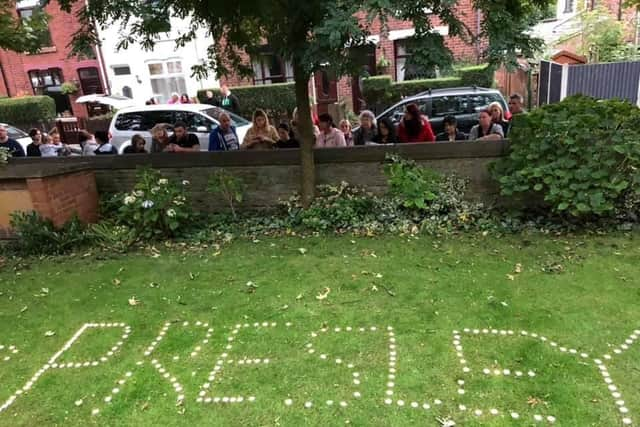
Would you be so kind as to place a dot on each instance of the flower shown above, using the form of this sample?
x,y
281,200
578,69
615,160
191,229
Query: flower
x,y
129,200
171,213
185,182
178,202
154,190
139,193
147,204
163,181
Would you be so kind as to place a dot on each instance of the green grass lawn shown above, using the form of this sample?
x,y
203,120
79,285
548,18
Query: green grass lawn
x,y
405,336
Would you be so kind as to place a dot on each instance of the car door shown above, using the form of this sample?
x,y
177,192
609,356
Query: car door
x,y
396,113
443,106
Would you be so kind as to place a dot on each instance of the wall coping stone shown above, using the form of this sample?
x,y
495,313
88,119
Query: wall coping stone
x,y
17,169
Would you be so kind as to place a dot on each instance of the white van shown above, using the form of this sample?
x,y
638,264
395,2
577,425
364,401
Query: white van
x,y
200,120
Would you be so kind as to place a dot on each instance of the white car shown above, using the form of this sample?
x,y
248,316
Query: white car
x,y
200,120
19,135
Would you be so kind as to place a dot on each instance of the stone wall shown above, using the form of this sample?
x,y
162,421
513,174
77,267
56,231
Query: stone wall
x,y
273,175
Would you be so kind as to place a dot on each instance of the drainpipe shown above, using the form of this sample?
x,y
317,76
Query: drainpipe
x,y
478,28
619,10
4,80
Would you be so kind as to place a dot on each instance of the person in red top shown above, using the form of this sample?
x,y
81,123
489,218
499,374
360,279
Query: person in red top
x,y
415,127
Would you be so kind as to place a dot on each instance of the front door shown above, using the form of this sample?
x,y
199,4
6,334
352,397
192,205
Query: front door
x,y
326,90
367,61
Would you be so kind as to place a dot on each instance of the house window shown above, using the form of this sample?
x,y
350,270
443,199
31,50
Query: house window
x,y
404,69
167,78
90,80
126,91
45,80
123,70
28,10
269,68
568,6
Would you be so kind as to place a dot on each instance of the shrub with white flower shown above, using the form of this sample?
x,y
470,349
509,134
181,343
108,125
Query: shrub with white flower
x,y
185,182
156,208
5,155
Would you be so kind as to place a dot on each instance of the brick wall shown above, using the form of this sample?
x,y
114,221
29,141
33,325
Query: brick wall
x,y
270,176
62,26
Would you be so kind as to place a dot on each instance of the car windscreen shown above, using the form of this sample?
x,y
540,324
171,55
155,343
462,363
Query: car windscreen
x,y
236,120
15,133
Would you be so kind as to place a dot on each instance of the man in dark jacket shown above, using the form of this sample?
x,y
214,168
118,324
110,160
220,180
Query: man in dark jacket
x,y
14,147
451,132
228,101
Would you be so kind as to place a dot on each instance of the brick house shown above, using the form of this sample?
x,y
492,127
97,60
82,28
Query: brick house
x,y
44,72
269,68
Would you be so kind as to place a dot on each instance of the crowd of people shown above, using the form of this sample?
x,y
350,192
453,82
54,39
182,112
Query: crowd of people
x,y
414,127
226,100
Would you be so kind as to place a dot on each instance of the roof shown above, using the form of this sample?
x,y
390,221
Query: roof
x,y
571,55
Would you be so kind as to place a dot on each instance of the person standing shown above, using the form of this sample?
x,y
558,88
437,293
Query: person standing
x,y
209,99
159,138
415,127
261,134
285,140
367,130
184,99
224,136
33,149
88,143
228,101
53,146
486,130
345,127
104,144
329,135
182,141
451,132
516,104
386,132
175,98
137,145
14,147
497,117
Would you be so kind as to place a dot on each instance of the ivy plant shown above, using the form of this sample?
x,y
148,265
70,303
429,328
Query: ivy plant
x,y
581,155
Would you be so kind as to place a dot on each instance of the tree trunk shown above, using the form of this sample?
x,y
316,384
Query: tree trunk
x,y
305,129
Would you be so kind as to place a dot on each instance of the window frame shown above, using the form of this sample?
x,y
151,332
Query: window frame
x,y
48,39
99,89
40,76
166,76
258,59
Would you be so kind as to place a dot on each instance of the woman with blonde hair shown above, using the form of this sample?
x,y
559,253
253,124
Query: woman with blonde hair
x,y
345,127
261,134
159,138
497,117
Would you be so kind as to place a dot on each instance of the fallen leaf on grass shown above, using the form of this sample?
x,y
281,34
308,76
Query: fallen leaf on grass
x,y
120,270
145,406
389,291
299,297
378,276
116,282
49,334
43,293
511,277
302,251
154,285
193,276
518,268
324,294
133,301
374,288
251,287
79,402
25,308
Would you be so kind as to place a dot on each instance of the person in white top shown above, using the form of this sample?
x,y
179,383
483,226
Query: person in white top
x,y
53,146
329,136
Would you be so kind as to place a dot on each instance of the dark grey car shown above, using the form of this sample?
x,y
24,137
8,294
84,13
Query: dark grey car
x,y
464,103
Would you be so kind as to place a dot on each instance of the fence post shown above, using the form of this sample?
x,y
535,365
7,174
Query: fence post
x,y
564,82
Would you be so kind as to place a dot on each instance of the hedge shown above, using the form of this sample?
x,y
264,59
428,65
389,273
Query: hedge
x,y
30,109
381,90
276,99
477,75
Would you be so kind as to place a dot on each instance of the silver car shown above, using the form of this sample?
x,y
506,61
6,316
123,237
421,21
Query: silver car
x,y
199,118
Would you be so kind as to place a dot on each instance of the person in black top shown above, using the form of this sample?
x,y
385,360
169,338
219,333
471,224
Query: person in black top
x,y
210,99
14,147
181,141
33,149
137,145
228,101
386,132
285,140
451,132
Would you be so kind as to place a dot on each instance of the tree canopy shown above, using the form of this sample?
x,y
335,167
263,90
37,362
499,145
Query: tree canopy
x,y
21,35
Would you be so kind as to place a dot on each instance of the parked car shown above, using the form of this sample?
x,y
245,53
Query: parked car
x,y
200,120
464,103
19,135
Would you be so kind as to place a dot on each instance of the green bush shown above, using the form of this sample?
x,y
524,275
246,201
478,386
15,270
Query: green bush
x,y
30,109
477,75
38,235
414,185
414,87
156,208
377,90
581,155
276,99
